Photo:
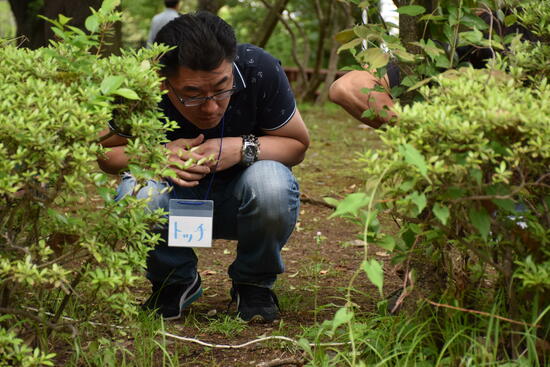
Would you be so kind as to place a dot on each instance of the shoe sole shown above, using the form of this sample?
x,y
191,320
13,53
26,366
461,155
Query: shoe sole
x,y
189,300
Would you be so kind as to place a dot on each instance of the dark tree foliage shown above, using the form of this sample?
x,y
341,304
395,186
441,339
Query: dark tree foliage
x,y
34,32
212,6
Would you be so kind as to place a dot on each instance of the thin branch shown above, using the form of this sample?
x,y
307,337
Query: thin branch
x,y
237,346
482,313
293,40
282,362
49,325
408,276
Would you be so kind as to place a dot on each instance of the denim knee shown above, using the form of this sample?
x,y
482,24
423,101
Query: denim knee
x,y
157,194
155,191
272,190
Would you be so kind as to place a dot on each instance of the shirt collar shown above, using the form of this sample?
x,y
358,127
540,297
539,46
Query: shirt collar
x,y
238,78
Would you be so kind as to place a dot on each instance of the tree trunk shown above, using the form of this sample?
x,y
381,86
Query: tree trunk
x,y
344,20
30,28
410,28
77,10
270,22
213,6
36,32
325,18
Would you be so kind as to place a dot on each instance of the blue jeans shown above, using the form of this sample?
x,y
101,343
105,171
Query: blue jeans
x,y
258,208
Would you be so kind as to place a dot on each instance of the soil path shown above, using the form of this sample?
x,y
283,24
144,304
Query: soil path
x,y
321,257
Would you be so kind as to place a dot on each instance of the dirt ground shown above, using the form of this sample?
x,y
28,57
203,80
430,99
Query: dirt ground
x,y
321,257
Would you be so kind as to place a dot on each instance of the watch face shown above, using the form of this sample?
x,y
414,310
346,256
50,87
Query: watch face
x,y
250,150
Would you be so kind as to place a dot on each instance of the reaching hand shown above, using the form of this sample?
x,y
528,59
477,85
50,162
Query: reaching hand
x,y
187,162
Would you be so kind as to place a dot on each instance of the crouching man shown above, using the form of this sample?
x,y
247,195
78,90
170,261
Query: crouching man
x,y
232,102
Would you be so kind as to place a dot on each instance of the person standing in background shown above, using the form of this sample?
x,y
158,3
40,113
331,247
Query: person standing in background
x,y
161,19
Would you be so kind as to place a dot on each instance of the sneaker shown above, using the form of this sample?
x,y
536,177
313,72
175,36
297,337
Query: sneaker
x,y
169,300
255,303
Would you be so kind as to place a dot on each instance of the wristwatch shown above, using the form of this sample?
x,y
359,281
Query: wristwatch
x,y
250,150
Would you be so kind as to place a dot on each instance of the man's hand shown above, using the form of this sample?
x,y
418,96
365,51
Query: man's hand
x,y
181,150
230,155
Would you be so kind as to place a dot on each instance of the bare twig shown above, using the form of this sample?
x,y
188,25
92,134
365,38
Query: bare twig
x,y
282,362
408,277
481,313
237,346
30,315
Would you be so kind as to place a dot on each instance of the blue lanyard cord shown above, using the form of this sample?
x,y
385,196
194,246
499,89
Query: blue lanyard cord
x,y
217,161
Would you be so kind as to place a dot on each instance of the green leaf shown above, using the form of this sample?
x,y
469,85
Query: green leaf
x,y
375,273
342,316
412,10
441,212
331,201
57,216
367,33
409,237
510,20
474,36
106,193
63,19
454,192
92,23
126,93
404,56
111,83
481,221
505,204
414,157
304,343
109,5
473,21
419,200
433,17
344,36
351,204
351,44
442,61
387,243
419,84
477,175
407,185
375,58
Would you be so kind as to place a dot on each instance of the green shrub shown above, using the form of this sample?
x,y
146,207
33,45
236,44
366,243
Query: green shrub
x,y
465,175
64,240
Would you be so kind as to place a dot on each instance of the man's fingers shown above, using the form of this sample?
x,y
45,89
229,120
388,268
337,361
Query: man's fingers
x,y
183,183
192,175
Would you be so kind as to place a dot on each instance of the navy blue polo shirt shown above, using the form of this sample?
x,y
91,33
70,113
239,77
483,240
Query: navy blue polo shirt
x,y
263,100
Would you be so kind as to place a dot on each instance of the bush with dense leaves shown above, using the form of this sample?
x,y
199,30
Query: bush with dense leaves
x,y
65,243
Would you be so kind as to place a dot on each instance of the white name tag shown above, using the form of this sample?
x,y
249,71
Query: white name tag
x,y
190,223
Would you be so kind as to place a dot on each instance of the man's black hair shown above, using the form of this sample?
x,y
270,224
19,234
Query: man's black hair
x,y
202,40
171,3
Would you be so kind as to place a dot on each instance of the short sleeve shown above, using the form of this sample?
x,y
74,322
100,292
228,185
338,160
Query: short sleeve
x,y
276,102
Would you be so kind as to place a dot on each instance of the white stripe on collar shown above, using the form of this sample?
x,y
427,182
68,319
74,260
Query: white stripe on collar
x,y
240,75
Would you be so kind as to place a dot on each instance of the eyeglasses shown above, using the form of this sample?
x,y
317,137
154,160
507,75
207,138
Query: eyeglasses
x,y
191,102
